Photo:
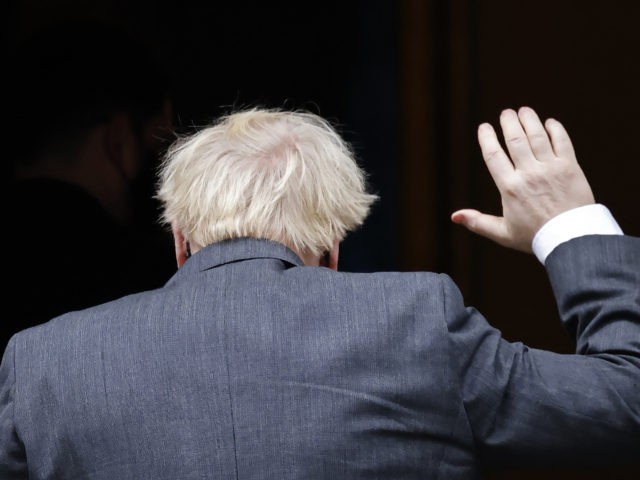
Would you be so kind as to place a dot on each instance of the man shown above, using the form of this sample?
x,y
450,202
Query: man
x,y
96,117
259,360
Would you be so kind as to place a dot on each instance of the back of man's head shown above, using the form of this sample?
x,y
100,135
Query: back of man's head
x,y
284,176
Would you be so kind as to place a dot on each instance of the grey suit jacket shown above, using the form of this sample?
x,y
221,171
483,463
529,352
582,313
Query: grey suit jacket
x,y
249,365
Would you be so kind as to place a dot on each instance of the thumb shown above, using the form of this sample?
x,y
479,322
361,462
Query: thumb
x,y
489,226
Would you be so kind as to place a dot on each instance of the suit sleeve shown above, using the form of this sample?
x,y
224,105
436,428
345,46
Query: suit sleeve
x,y
12,456
529,407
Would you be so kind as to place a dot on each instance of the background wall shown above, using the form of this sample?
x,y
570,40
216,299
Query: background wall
x,y
338,61
574,61
408,82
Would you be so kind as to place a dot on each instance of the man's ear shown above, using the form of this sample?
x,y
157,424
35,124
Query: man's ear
x,y
181,246
334,253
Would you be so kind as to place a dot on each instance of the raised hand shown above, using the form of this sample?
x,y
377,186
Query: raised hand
x,y
539,179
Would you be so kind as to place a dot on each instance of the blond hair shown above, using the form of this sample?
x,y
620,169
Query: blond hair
x,y
279,175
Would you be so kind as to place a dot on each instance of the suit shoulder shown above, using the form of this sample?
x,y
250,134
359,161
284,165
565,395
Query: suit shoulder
x,y
85,319
425,290
380,276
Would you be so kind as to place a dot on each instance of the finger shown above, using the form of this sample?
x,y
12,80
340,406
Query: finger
x,y
560,140
516,139
498,163
536,134
488,226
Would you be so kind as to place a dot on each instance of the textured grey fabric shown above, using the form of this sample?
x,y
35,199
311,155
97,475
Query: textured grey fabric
x,y
249,365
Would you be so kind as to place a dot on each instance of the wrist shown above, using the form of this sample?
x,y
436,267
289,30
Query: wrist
x,y
594,219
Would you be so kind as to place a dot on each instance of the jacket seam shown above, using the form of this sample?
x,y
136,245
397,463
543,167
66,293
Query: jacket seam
x,y
453,362
233,422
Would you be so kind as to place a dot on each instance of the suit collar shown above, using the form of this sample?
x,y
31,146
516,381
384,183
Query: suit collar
x,y
236,250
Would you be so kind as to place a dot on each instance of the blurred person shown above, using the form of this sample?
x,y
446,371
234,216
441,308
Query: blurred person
x,y
90,110
259,359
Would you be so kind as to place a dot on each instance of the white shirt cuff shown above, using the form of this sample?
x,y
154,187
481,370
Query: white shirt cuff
x,y
593,219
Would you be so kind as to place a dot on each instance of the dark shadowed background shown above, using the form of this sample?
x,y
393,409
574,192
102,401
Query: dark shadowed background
x,y
407,82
